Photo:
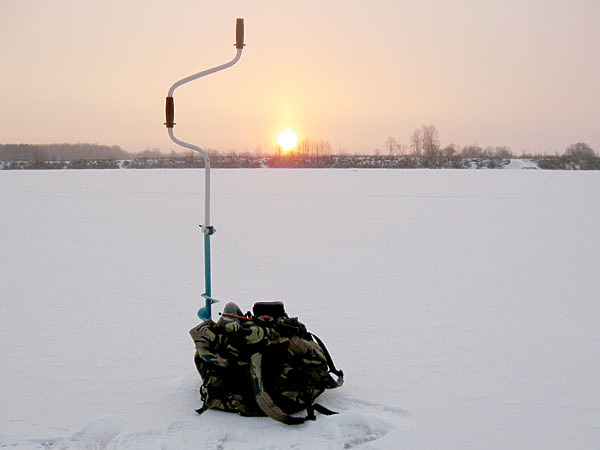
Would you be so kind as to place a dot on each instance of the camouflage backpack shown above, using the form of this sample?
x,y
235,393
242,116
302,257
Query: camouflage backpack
x,y
264,364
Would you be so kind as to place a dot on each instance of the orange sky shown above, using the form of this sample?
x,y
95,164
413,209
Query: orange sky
x,y
517,73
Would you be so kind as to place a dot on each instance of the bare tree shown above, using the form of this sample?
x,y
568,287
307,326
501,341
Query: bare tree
x,y
472,151
580,150
391,145
416,141
313,153
431,141
425,141
449,151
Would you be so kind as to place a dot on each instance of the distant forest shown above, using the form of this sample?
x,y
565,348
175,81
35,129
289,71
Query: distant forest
x,y
61,152
424,152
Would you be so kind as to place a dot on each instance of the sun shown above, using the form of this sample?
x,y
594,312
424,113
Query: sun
x,y
287,140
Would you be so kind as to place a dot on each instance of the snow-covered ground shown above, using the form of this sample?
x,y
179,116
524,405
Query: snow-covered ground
x,y
522,164
462,305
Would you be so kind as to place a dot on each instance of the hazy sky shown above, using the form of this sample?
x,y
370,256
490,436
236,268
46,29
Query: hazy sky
x,y
525,74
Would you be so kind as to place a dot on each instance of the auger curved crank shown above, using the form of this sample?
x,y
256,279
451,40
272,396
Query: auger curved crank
x,y
207,229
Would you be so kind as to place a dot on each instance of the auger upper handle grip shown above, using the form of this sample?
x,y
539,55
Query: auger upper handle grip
x,y
239,34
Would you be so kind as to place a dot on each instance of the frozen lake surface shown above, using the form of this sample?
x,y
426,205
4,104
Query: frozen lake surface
x,y
463,306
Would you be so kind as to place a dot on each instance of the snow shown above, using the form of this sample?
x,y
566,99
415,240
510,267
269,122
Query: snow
x,y
462,305
522,164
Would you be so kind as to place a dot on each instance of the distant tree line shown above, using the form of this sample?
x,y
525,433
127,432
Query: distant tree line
x,y
96,156
61,152
190,160
424,151
578,156
308,154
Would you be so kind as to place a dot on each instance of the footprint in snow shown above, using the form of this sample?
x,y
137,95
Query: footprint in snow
x,y
348,404
97,435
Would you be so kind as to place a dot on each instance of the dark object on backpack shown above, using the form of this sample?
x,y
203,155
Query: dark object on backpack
x,y
271,309
267,364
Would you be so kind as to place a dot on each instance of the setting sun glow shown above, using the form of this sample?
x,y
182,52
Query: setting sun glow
x,y
287,140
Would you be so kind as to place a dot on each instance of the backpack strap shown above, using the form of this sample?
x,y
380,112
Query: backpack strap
x,y
201,410
338,373
264,400
322,410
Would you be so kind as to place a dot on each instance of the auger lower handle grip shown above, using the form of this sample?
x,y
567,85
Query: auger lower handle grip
x,y
170,112
239,34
